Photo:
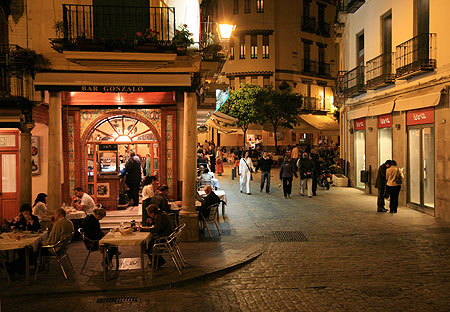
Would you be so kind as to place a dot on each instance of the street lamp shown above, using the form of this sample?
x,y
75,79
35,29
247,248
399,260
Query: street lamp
x,y
225,31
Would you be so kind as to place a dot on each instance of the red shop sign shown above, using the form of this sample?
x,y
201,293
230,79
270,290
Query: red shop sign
x,y
360,124
420,116
385,121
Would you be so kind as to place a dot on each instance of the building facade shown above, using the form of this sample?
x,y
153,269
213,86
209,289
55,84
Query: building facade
x,y
393,96
283,42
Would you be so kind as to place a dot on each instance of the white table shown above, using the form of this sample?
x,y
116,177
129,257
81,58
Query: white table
x,y
22,240
117,239
78,214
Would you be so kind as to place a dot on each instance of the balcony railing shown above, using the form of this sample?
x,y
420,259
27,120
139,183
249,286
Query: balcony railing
x,y
93,27
416,56
316,68
354,82
323,29
380,71
16,70
309,103
309,24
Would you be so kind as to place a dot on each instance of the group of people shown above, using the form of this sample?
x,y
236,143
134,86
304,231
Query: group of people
x,y
389,182
211,157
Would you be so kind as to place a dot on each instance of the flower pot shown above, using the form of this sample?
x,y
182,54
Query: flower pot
x,y
181,49
145,47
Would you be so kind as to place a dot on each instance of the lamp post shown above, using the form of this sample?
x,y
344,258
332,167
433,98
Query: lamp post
x,y
225,31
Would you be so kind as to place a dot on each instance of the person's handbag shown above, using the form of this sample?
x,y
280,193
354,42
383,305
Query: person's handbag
x,y
398,177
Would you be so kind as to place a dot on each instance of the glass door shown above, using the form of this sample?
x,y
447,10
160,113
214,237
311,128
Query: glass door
x,y
421,166
360,156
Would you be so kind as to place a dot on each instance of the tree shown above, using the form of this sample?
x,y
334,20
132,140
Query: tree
x,y
244,105
280,109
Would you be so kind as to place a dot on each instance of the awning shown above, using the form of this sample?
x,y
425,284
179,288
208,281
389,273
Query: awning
x,y
222,128
419,99
381,108
357,113
321,122
224,118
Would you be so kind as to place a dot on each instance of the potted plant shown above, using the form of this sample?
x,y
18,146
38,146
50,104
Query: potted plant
x,y
146,40
60,30
182,39
87,42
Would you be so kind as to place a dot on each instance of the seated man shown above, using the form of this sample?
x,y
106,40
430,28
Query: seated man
x,y
210,199
92,231
62,228
26,221
205,177
162,228
161,199
82,201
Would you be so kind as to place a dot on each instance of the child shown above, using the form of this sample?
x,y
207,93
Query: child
x,y
234,171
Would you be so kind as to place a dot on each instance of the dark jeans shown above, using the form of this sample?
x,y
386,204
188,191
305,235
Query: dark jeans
x,y
233,173
133,193
314,185
287,186
393,194
380,201
145,204
265,175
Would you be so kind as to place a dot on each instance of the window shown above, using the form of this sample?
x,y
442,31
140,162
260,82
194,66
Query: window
x,y
266,81
232,83
242,47
265,47
254,47
255,80
360,45
259,6
307,68
321,13
247,6
231,49
306,8
236,7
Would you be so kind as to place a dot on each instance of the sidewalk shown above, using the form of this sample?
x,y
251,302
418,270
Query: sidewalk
x,y
240,242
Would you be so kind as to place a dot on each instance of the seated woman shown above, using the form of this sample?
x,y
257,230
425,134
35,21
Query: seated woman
x,y
149,188
40,206
26,221
162,227
92,231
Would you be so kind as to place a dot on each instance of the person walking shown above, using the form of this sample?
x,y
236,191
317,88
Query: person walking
x,y
133,178
380,184
212,158
287,171
316,173
394,179
219,161
295,153
264,164
245,171
306,169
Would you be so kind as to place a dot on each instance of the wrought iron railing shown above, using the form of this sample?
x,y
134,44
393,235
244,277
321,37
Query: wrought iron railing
x,y
309,103
309,67
114,27
324,69
416,55
16,70
380,71
309,24
323,29
316,68
354,83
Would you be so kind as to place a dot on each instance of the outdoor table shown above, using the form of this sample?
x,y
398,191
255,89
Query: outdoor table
x,y
22,240
72,214
222,196
133,239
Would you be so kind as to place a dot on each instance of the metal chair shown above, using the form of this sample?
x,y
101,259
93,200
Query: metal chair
x,y
211,218
164,246
176,246
56,251
91,246
203,183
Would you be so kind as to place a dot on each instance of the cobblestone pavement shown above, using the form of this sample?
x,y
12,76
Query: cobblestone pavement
x,y
354,259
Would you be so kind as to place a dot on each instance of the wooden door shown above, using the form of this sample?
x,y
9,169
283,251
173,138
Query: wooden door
x,y
9,172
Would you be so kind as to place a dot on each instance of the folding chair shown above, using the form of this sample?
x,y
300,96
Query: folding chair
x,y
176,246
164,246
211,218
56,251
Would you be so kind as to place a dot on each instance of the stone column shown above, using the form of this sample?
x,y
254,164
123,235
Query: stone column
x,y
54,151
189,171
25,163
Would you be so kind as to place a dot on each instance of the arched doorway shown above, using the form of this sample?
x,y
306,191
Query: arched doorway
x,y
105,144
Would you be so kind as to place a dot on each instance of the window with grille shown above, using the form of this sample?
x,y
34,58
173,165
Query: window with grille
x,y
259,6
247,6
231,50
242,47
254,47
265,47
236,7
266,81
254,80
232,83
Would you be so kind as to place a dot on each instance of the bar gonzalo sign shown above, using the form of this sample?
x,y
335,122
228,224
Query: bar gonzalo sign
x,y
112,89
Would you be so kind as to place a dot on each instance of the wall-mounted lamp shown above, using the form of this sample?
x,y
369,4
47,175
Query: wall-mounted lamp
x,y
225,31
397,126
443,121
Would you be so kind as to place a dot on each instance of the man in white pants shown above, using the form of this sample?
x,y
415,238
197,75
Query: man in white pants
x,y
245,171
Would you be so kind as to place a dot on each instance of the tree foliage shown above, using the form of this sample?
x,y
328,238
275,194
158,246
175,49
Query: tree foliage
x,y
244,105
280,108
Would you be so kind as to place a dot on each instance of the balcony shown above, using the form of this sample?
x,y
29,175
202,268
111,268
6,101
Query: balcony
x,y
416,56
351,6
16,70
380,71
314,68
114,28
309,24
309,103
323,29
353,82
309,67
